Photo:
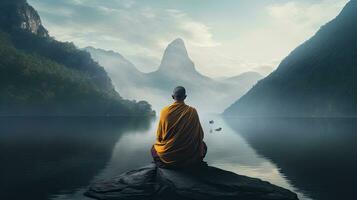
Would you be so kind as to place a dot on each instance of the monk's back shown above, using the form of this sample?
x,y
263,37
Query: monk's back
x,y
179,138
178,115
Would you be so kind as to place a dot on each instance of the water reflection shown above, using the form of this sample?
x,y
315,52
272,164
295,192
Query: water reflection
x,y
226,150
58,158
130,152
318,156
43,157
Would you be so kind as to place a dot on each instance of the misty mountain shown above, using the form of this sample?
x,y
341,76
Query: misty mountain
x,y
176,68
244,79
318,78
42,76
122,71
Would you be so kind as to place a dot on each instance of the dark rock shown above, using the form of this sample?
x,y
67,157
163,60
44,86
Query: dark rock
x,y
208,183
18,14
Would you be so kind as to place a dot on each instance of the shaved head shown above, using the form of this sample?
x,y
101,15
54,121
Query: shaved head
x,y
179,93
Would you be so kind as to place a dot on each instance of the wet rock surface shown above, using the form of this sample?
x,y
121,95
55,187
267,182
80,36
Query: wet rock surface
x,y
206,183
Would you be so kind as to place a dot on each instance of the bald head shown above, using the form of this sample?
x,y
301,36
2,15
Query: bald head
x,y
179,93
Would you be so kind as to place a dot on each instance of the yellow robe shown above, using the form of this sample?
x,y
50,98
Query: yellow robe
x,y
179,135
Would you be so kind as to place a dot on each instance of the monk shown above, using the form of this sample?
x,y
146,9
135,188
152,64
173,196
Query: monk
x,y
179,138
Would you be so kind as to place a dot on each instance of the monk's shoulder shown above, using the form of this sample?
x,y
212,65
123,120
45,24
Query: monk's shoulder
x,y
165,110
193,109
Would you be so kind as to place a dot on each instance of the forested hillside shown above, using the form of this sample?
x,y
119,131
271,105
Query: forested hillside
x,y
39,75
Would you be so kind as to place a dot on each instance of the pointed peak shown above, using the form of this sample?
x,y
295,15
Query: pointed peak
x,y
178,41
177,47
176,57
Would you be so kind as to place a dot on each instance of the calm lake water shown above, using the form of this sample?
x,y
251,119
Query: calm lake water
x,y
58,158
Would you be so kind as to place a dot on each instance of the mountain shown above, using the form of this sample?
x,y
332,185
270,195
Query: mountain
x,y
245,79
176,62
319,78
175,58
17,14
42,76
122,71
176,68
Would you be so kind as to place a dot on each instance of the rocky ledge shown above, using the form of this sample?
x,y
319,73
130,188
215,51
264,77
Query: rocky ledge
x,y
205,183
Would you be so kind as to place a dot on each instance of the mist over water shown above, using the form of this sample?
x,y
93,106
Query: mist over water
x,y
59,158
44,157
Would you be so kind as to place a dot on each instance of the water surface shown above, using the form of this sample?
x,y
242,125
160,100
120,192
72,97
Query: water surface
x,y
317,155
58,158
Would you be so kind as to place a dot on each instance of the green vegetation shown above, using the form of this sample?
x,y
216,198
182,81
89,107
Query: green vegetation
x,y
42,76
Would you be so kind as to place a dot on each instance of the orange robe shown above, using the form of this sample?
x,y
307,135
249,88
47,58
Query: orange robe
x,y
179,138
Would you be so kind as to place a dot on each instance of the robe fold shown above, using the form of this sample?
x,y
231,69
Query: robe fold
x,y
179,137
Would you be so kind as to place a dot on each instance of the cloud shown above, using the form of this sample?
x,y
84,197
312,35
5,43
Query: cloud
x,y
199,34
304,17
285,26
139,32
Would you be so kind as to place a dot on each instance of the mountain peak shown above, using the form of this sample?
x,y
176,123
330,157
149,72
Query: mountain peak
x,y
176,47
19,15
178,42
176,58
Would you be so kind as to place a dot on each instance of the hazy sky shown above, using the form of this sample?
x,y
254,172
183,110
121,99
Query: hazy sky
x,y
223,37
